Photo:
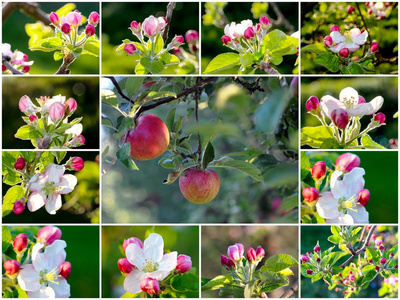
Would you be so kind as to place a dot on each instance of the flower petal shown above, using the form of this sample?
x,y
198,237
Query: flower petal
x,y
28,278
354,182
329,104
360,216
366,108
132,281
36,201
168,262
338,189
342,219
337,37
56,254
54,172
337,47
43,292
68,183
159,275
352,47
327,206
349,97
357,37
53,203
39,260
153,247
135,255
62,289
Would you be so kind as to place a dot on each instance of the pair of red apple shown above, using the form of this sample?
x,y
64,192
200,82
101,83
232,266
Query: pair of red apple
x,y
150,138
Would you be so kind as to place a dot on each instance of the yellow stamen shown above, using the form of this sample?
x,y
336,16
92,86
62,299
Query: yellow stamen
x,y
350,203
149,265
51,276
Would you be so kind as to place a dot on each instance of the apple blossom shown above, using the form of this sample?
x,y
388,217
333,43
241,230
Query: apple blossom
x,y
310,194
328,42
383,260
264,21
70,105
379,118
94,18
75,163
184,263
340,118
20,164
74,18
66,28
54,19
176,42
48,235
125,266
374,47
317,249
312,105
11,266
226,39
26,105
32,118
56,111
90,30
260,252
363,197
347,162
20,242
304,258
235,252
335,28
344,52
191,36
131,240
351,40
19,207
251,254
378,242
249,33
227,262
130,49
234,30
350,9
65,269
152,26
150,286
318,170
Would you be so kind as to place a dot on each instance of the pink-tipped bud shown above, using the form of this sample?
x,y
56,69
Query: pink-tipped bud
x,y
309,272
184,263
350,272
134,25
56,111
374,47
132,240
235,252
24,57
251,254
90,30
65,269
70,105
54,19
260,252
264,21
317,249
3,68
125,266
346,282
224,260
191,36
249,33
363,197
379,118
345,52
310,194
378,242
391,254
12,266
74,18
49,234
130,49
318,260
177,41
373,236
381,247
383,260
352,277
65,28
304,258
81,139
335,28
226,39
312,105
75,163
20,164
319,170
347,162
94,18
18,207
328,42
377,268
308,253
25,103
150,286
350,9
32,118
26,69
340,118
371,261
361,99
20,242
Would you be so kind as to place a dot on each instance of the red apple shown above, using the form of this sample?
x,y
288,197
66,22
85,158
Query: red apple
x,y
149,139
199,186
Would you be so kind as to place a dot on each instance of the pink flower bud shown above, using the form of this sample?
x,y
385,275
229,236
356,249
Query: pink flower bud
x,y
25,57
18,207
371,261
312,104
235,252
344,52
328,42
184,263
132,240
318,260
373,236
129,48
125,266
347,162
335,28
309,272
191,36
310,194
150,286
3,68
54,19
73,18
81,139
346,282
361,99
226,39
352,277
340,118
260,252
264,21
134,25
90,30
319,170
391,254
377,268
25,103
308,253
56,111
396,266
304,258
75,163
65,269
66,28
383,260
249,33
374,47
317,249
20,242
19,164
369,11
48,234
152,26
70,105
276,203
94,18
379,118
32,118
227,262
26,69
378,242
251,254
363,197
11,266
350,9
381,247
177,41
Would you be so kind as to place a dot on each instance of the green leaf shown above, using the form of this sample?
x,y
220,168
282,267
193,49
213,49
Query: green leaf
x,y
92,46
231,291
208,155
355,68
305,267
169,59
368,277
108,97
153,66
276,59
330,143
170,119
141,70
21,292
13,194
27,132
316,277
249,289
329,61
5,238
218,282
305,165
105,151
123,155
280,262
129,295
367,64
371,254
157,95
368,143
335,239
246,59
48,45
106,122
172,177
276,41
59,155
126,124
315,136
133,85
243,166
120,47
159,44
222,62
270,281
186,282
58,55
316,48
335,230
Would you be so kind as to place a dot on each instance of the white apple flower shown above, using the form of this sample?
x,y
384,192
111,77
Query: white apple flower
x,y
58,98
42,278
234,30
48,187
349,101
350,39
149,261
340,205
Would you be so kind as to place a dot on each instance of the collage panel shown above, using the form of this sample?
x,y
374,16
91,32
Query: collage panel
x,y
50,262
150,261
347,38
349,261
249,261
50,38
161,38
199,150
250,38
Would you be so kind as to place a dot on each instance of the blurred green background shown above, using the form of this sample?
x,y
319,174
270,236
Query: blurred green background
x,y
14,34
215,241
117,17
85,90
140,197
317,19
369,88
83,252
79,206
381,179
309,237
211,44
183,239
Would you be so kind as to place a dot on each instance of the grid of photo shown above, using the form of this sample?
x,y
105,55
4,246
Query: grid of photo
x,y
200,149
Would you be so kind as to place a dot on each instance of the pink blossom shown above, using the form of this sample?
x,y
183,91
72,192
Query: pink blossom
x,y
94,18
150,286
340,118
20,242
18,207
191,36
11,266
152,26
73,18
90,30
56,111
48,234
184,263
54,19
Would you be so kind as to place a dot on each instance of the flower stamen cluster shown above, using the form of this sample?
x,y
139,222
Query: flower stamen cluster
x,y
17,59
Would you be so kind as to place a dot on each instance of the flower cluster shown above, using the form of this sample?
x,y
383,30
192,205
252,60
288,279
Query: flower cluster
x,y
378,10
17,59
147,267
345,202
47,123
344,115
40,268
